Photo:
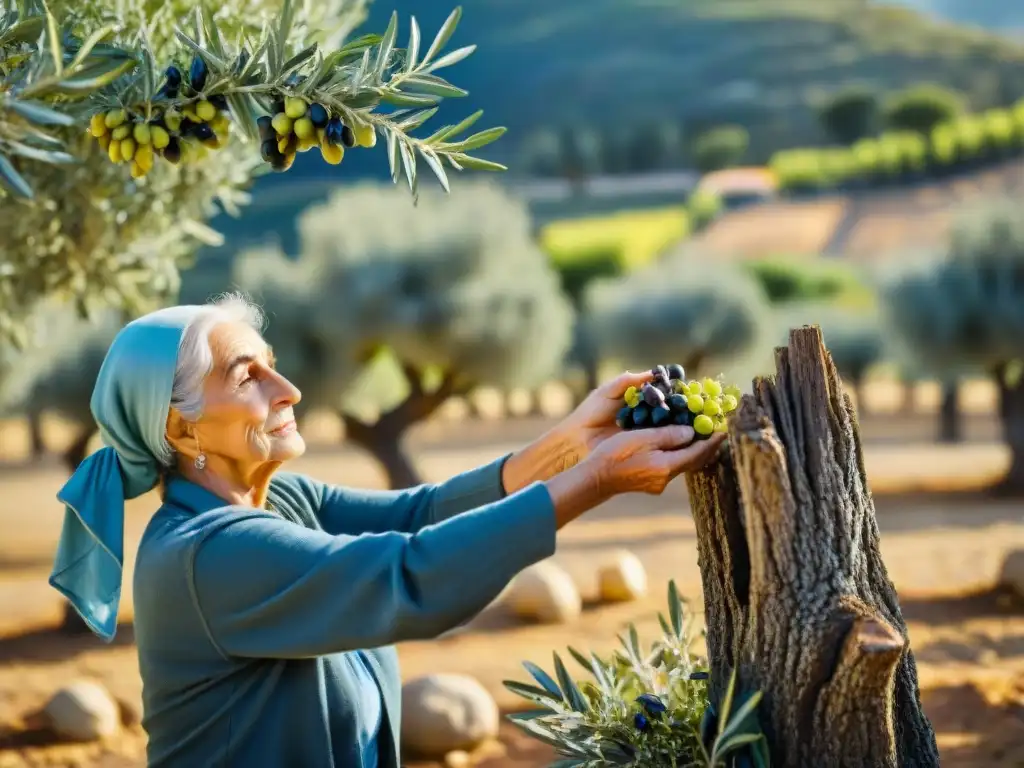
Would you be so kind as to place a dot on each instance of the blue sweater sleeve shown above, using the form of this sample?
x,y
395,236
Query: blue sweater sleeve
x,y
268,588
357,510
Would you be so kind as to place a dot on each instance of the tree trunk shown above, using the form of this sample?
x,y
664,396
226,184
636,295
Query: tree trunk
x,y
797,598
35,434
75,453
949,414
385,437
386,445
1011,414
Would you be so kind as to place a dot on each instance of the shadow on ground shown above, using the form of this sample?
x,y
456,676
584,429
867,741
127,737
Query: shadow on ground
x,y
52,645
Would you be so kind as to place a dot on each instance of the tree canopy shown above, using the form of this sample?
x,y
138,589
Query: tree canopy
x,y
80,227
453,289
964,309
455,284
679,309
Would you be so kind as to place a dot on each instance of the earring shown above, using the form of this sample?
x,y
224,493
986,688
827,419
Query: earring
x,y
200,460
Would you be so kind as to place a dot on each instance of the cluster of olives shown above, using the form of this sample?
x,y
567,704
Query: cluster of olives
x,y
171,133
187,130
297,126
670,399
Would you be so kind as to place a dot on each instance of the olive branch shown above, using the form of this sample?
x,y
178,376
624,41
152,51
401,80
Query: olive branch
x,y
54,79
642,708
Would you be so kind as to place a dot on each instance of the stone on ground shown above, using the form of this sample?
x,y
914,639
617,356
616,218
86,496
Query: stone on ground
x,y
442,713
83,711
544,593
622,578
1012,575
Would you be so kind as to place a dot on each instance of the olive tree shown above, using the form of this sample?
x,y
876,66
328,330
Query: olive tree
x,y
454,289
57,371
105,220
964,310
676,310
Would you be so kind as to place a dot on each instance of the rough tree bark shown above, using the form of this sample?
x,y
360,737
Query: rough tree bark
x,y
797,597
384,438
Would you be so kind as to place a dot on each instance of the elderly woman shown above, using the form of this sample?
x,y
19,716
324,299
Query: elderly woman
x,y
267,603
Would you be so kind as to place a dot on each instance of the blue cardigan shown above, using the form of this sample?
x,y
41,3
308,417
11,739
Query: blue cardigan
x,y
245,620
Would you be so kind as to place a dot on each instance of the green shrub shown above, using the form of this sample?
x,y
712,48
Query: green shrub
x,y
921,107
1000,130
599,260
945,145
912,149
970,136
703,207
642,708
798,170
720,148
785,279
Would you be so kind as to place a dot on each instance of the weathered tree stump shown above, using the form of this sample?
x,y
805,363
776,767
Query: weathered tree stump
x,y
797,598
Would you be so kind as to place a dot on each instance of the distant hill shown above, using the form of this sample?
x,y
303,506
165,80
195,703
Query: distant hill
x,y
761,63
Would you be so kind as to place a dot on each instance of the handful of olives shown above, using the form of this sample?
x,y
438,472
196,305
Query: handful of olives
x,y
670,399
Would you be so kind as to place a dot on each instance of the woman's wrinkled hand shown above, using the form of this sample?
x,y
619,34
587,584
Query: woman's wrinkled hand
x,y
647,460
593,421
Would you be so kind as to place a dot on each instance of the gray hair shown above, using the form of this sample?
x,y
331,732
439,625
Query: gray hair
x,y
195,357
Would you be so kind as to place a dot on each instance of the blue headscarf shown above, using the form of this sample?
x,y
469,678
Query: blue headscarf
x,y
130,403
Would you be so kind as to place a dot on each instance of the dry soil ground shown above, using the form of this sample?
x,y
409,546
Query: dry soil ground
x,y
943,551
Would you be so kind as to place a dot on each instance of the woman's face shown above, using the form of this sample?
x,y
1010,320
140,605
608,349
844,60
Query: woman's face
x,y
247,416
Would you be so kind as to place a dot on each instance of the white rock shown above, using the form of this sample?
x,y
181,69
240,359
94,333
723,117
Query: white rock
x,y
1012,575
446,712
83,711
544,593
622,579
458,758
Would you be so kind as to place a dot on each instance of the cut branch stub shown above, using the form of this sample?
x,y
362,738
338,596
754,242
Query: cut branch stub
x,y
796,594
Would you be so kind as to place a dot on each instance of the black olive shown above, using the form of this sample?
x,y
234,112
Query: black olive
x,y
348,136
318,115
197,73
641,415
653,396
265,123
677,403
268,150
624,418
172,152
173,75
675,371
334,131
661,415
202,131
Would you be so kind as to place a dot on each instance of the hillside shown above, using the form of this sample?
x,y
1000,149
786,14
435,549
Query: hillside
x,y
617,65
868,227
757,62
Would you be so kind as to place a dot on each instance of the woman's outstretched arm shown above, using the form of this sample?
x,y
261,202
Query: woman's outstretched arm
x,y
344,510
265,587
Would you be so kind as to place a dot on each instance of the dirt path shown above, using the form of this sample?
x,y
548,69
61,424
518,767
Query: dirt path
x,y
942,552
